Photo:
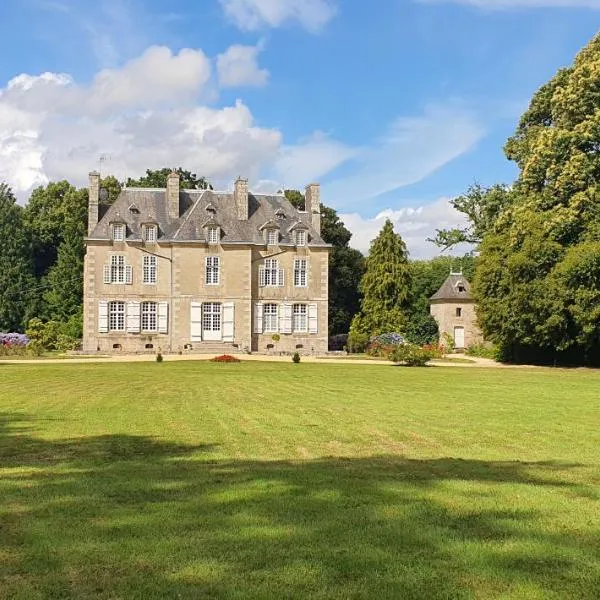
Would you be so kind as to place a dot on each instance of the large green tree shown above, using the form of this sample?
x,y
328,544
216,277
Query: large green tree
x,y
538,276
346,266
17,282
386,286
157,178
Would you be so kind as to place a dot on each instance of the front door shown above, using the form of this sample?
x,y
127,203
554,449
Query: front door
x,y
211,321
459,337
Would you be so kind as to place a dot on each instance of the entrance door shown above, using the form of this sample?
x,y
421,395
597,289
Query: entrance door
x,y
211,321
459,337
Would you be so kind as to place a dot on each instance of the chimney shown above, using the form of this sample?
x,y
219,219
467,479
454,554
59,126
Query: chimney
x,y
240,196
173,195
312,198
93,200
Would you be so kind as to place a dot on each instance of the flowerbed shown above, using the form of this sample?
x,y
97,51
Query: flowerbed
x,y
12,344
225,358
383,345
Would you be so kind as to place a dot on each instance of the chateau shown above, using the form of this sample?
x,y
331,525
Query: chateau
x,y
453,307
201,270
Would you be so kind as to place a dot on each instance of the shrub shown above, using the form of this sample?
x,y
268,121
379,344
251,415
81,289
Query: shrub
x,y
225,358
296,358
53,335
437,350
448,342
338,342
483,350
411,355
357,342
383,345
159,357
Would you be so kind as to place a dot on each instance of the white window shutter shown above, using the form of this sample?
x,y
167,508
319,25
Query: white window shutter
x,y
313,319
262,278
106,273
281,278
133,317
258,317
196,322
128,274
228,321
285,318
163,317
103,316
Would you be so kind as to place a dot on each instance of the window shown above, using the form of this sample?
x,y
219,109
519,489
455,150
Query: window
x,y
116,316
212,235
270,274
272,237
300,238
460,286
149,316
459,312
270,320
212,270
299,318
149,270
300,272
211,316
118,232
117,268
150,233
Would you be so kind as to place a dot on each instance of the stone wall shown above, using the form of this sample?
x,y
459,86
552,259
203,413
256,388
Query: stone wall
x,y
444,312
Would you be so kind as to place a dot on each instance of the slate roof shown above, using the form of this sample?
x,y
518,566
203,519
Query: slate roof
x,y
136,206
449,289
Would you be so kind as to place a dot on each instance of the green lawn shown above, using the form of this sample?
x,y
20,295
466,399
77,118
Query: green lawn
x,y
190,480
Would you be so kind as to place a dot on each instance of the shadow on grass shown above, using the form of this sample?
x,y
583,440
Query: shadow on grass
x,y
121,516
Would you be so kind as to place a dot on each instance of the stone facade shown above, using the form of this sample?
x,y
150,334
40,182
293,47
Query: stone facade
x,y
169,285
454,310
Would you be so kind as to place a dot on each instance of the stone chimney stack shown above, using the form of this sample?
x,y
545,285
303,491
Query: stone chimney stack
x,y
240,195
173,195
93,200
312,197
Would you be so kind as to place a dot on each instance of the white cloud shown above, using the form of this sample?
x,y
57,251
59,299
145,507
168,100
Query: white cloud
x,y
505,4
250,15
415,225
144,115
238,66
412,149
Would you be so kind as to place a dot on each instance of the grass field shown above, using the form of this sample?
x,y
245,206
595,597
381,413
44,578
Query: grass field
x,y
267,480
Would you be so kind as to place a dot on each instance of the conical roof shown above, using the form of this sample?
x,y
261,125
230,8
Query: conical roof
x,y
456,287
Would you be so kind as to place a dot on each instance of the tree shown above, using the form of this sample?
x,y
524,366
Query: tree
x,y
481,206
112,188
17,282
537,281
157,178
346,266
385,286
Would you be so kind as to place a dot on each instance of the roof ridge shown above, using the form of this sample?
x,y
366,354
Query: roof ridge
x,y
196,202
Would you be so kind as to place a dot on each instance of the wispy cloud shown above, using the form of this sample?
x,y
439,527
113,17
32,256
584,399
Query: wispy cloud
x,y
251,15
238,66
519,4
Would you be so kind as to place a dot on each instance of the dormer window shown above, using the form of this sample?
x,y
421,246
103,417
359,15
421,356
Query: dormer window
x,y
210,208
272,237
301,238
280,214
460,286
150,233
118,232
212,235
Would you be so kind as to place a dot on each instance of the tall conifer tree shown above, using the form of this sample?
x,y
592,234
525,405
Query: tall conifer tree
x,y
385,286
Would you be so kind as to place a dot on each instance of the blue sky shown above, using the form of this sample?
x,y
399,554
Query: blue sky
x,y
394,109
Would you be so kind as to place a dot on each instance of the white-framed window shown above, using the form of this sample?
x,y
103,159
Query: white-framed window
x,y
118,232
301,238
149,316
117,268
300,318
300,278
272,237
150,233
212,235
212,270
150,270
116,316
211,316
270,275
270,318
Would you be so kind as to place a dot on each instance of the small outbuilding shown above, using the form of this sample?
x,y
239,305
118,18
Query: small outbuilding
x,y
453,307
